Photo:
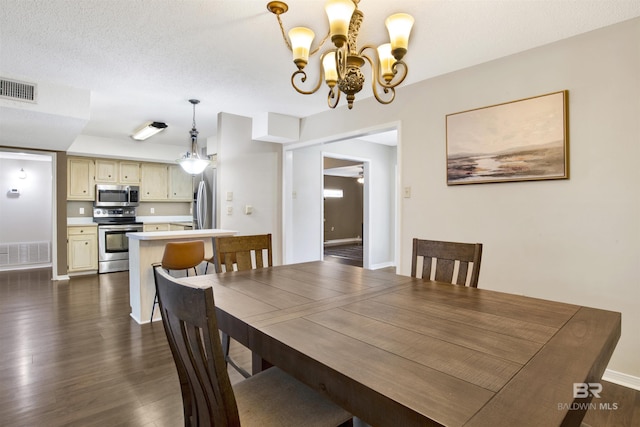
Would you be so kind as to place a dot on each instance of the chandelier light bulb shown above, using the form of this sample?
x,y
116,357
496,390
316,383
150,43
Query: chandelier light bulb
x,y
330,69
301,39
339,13
399,26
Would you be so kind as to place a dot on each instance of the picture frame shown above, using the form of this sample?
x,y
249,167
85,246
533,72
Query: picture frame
x,y
523,140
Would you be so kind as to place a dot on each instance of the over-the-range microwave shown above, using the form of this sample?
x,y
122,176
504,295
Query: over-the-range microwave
x,y
117,195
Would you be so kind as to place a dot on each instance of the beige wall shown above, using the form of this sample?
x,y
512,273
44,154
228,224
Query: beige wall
x,y
343,216
575,240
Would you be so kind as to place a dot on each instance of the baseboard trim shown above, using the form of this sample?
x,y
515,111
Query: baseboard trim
x,y
338,242
622,379
382,265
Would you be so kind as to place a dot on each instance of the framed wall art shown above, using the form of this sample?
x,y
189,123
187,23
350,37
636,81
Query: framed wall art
x,y
521,140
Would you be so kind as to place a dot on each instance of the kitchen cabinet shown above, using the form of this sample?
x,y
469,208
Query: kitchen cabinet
x,y
117,172
82,248
155,227
154,182
180,184
130,173
106,171
80,179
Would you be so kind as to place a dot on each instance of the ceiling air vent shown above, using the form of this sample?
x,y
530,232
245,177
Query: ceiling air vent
x,y
18,91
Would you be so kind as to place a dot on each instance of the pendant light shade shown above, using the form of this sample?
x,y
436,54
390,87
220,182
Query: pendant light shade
x,y
191,162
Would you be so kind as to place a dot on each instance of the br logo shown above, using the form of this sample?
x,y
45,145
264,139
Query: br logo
x,y
583,390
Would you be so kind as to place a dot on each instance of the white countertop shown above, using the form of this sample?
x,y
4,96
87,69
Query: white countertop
x,y
80,221
151,219
180,234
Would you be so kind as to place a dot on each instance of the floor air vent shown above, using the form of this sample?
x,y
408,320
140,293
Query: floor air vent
x,y
18,91
23,253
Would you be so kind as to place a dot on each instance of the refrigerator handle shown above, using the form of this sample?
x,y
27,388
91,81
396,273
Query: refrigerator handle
x,y
202,205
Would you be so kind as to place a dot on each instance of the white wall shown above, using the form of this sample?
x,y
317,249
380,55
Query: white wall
x,y
251,171
307,211
575,240
27,217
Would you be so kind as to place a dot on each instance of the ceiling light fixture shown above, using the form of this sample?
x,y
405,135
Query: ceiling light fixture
x,y
341,66
191,162
148,130
22,174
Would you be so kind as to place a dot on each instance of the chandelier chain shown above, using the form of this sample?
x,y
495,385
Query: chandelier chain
x,y
286,39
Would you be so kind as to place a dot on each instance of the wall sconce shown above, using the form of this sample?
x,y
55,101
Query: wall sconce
x,y
22,174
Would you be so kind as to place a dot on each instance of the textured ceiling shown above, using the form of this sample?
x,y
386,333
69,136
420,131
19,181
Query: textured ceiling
x,y
142,60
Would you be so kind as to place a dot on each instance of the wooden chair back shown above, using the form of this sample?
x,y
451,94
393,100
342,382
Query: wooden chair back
x,y
447,256
189,319
239,252
183,255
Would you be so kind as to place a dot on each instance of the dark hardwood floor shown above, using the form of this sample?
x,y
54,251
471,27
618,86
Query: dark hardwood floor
x,y
70,355
344,254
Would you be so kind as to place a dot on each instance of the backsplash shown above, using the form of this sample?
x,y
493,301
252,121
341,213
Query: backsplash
x,y
84,209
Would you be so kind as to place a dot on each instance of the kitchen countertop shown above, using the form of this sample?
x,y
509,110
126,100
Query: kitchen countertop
x,y
167,235
175,219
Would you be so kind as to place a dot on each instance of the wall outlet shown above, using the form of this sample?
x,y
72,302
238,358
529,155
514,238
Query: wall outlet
x,y
407,192
248,210
81,211
152,210
229,210
229,196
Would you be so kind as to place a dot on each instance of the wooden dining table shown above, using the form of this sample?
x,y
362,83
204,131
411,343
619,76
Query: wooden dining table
x,y
400,351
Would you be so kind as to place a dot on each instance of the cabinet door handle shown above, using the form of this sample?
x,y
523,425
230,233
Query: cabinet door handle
x,y
86,243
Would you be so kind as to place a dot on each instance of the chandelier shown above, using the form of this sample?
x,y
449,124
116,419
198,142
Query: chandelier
x,y
341,66
191,162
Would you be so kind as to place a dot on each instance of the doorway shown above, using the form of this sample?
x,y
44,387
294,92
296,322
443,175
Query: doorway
x,y
28,235
303,201
343,208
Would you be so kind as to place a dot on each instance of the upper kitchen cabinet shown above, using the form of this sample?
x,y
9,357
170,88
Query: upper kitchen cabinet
x,y
80,179
180,184
130,173
110,171
154,182
106,171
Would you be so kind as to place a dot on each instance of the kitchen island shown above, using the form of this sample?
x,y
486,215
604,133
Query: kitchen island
x,y
145,249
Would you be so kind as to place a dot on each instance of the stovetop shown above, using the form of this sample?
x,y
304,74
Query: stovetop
x,y
115,216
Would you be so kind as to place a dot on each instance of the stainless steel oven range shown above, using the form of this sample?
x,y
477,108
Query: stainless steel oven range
x,y
113,243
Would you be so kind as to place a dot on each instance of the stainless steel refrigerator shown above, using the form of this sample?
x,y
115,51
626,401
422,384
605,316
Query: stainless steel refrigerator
x,y
204,200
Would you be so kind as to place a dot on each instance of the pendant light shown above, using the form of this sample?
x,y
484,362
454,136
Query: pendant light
x,y
191,162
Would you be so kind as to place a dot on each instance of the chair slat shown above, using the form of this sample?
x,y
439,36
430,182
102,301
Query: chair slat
x,y
446,255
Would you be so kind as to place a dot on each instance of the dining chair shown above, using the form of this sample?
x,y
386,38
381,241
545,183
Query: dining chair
x,y
181,256
450,260
240,253
270,398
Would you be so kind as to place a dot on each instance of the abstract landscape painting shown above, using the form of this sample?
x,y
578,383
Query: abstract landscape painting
x,y
516,141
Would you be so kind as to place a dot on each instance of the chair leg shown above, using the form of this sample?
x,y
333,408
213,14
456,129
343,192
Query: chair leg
x,y
226,343
155,302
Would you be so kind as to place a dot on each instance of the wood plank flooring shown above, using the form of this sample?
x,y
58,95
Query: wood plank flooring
x,y
70,355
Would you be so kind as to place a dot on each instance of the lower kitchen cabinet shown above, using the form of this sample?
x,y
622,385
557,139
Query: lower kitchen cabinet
x,y
155,227
82,248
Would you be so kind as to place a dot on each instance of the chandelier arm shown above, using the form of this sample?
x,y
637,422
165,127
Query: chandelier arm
x,y
375,81
303,79
334,93
402,76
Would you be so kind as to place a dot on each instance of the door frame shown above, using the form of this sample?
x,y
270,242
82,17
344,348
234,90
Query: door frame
x,y
366,201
